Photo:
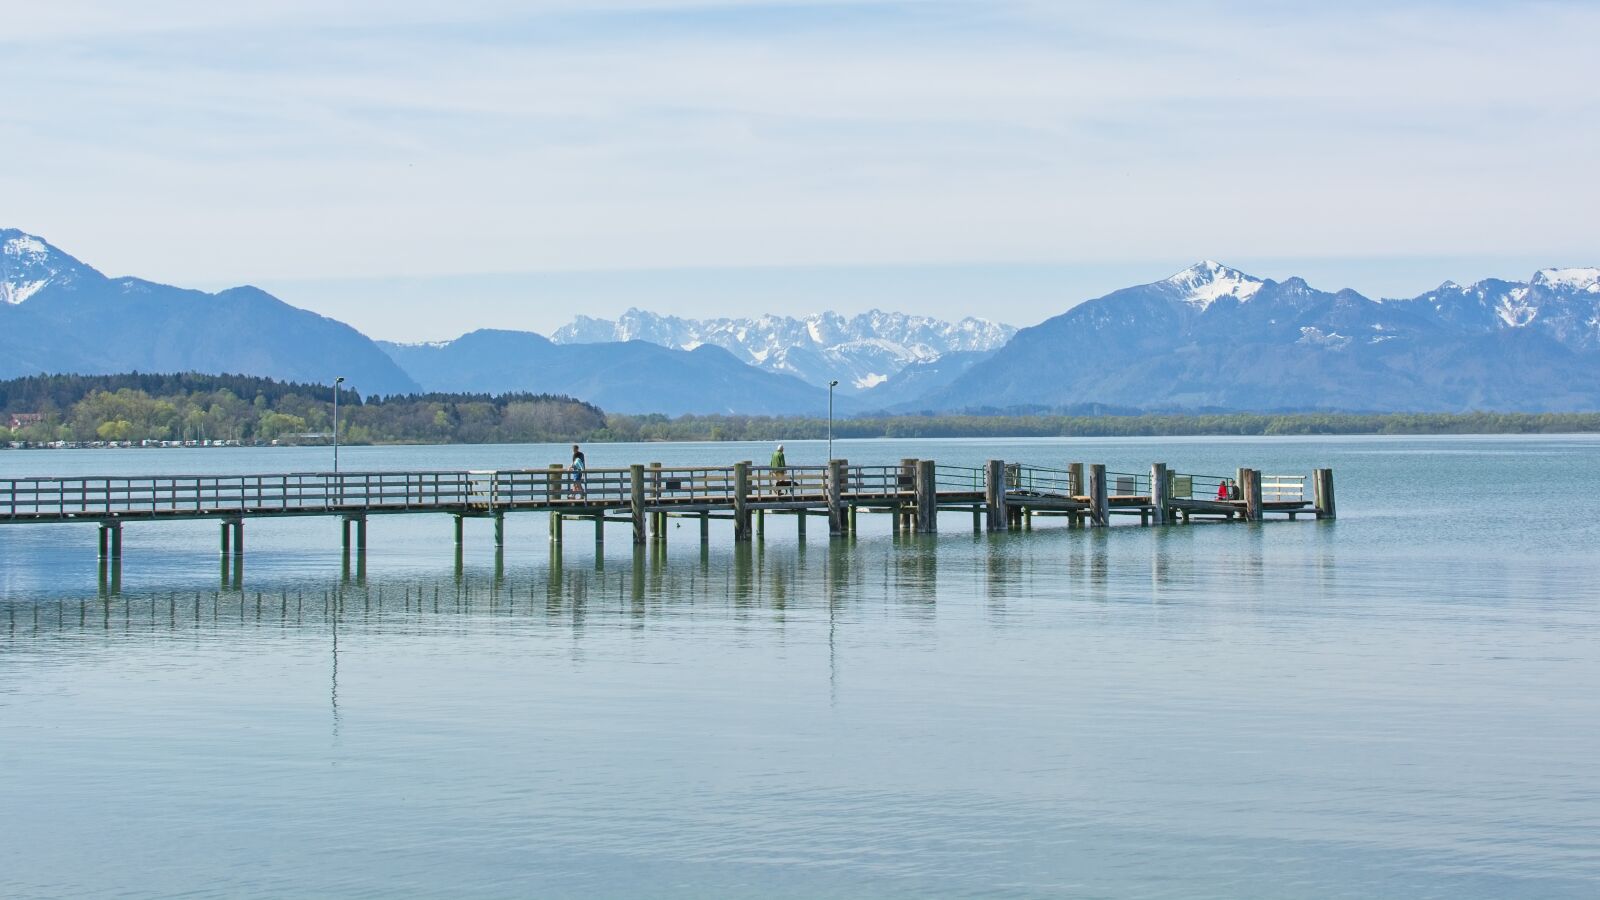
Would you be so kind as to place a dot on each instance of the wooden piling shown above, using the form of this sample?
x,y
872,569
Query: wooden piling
x,y
636,502
741,501
836,523
994,494
1099,498
1252,494
1158,492
1322,485
1075,485
927,488
499,530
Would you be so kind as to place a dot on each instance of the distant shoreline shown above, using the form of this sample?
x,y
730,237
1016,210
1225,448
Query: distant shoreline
x,y
732,429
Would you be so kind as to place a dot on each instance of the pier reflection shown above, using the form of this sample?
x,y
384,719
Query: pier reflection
x,y
911,576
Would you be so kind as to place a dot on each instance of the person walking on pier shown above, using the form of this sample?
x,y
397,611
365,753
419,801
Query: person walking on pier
x,y
780,471
579,469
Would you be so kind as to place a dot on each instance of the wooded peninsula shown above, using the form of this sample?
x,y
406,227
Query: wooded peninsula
x,y
139,409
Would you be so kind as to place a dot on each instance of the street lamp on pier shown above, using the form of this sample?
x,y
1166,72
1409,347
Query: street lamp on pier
x,y
338,380
831,385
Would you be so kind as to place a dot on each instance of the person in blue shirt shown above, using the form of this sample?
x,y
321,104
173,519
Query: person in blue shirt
x,y
579,468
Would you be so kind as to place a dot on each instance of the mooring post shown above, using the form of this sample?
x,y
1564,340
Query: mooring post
x,y
1322,484
761,523
1075,485
1252,495
499,530
705,528
995,495
458,528
361,537
741,501
105,540
836,523
927,497
238,537
1099,498
658,519
344,538
599,529
227,537
906,480
636,502
1158,492
800,525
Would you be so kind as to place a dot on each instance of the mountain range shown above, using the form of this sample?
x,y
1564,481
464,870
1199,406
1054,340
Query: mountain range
x,y
60,315
1214,337
1210,337
861,352
620,376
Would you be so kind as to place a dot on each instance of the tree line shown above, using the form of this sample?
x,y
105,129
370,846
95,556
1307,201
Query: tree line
x,y
192,407
773,428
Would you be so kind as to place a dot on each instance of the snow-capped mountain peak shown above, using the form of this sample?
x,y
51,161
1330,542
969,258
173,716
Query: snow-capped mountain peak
x,y
28,264
1204,283
1580,280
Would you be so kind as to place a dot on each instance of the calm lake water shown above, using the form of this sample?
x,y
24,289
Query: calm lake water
x,y
1402,703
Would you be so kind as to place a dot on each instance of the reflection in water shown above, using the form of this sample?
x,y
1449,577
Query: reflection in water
x,y
955,703
903,571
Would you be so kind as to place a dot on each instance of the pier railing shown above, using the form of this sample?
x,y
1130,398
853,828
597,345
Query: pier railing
x,y
959,479
1283,488
1188,486
1124,484
1040,481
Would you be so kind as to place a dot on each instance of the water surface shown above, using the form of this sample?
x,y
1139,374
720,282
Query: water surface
x,y
1400,703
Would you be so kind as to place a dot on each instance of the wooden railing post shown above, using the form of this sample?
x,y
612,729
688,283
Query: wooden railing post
x,y
741,501
836,469
927,497
636,501
1322,487
1099,496
994,495
1159,491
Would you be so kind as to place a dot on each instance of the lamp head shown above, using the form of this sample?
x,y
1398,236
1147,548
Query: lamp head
x,y
833,383
338,379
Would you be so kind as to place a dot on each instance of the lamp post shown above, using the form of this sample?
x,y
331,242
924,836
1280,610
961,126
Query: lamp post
x,y
338,380
831,385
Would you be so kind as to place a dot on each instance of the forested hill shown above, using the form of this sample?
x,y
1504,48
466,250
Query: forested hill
x,y
189,406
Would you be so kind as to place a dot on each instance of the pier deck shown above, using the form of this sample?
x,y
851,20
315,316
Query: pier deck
x,y
999,496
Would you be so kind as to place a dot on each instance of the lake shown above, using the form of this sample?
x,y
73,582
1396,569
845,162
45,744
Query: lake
x,y
1405,702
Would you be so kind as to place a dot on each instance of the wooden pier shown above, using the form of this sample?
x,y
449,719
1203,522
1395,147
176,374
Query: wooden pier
x,y
999,496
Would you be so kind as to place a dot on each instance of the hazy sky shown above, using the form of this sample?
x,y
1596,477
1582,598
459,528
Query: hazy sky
x,y
420,169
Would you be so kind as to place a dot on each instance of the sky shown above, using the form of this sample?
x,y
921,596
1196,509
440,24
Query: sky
x,y
422,169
